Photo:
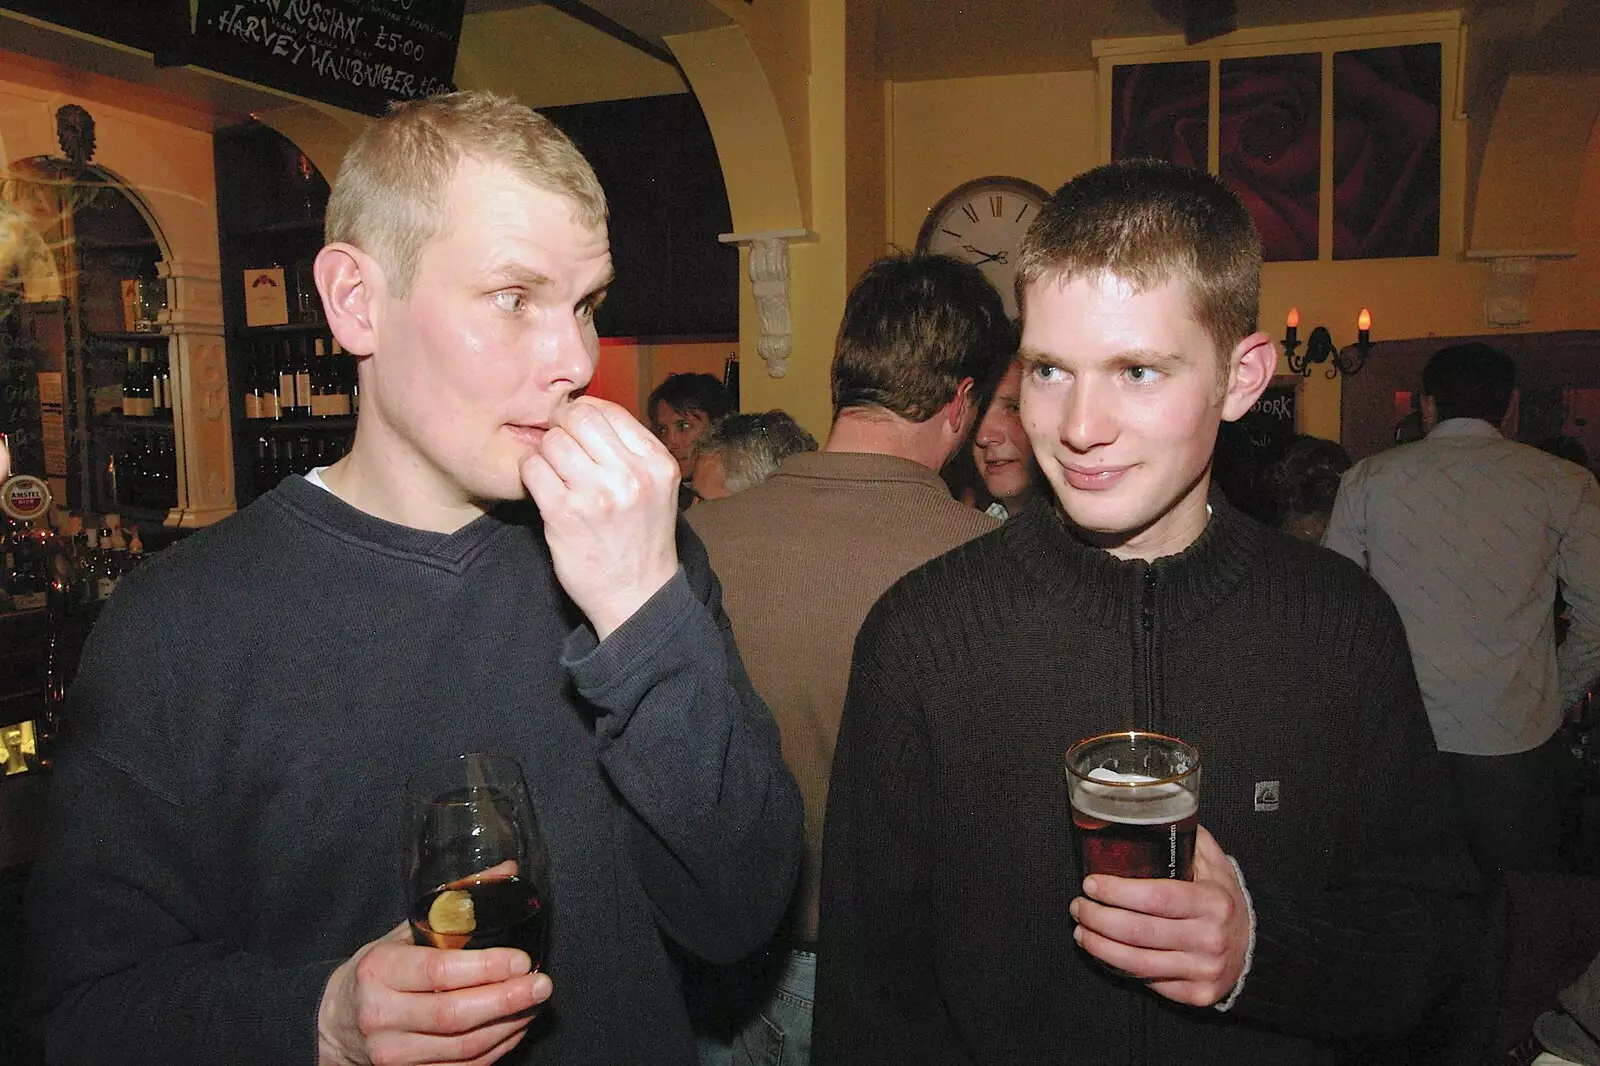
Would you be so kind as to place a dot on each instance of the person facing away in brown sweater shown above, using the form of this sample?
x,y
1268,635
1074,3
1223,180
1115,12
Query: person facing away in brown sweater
x,y
804,555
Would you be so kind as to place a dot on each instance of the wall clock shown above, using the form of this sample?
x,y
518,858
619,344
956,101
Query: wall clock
x,y
982,222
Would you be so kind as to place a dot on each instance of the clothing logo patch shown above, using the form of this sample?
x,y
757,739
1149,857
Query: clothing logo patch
x,y
1266,795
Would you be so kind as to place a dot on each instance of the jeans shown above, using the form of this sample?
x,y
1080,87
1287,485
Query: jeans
x,y
1511,806
778,1033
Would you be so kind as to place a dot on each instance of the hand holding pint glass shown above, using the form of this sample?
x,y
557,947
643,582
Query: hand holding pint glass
x,y
1135,803
1161,901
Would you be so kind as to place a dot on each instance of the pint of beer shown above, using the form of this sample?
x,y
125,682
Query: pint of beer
x,y
1135,803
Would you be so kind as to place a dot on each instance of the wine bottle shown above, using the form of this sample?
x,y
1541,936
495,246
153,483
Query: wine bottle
x,y
340,401
135,394
164,379
266,468
286,381
150,374
267,374
302,378
255,405
319,380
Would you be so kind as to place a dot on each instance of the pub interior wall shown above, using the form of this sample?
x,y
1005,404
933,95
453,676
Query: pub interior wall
x,y
1043,127
169,163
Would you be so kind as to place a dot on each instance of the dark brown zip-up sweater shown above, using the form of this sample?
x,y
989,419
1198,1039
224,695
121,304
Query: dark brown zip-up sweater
x,y
949,859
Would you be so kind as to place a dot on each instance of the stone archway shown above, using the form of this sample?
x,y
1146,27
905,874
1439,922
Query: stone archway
x,y
170,170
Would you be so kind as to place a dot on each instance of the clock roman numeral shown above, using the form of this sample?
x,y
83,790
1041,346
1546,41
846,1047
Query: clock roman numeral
x,y
1022,212
970,211
997,206
952,233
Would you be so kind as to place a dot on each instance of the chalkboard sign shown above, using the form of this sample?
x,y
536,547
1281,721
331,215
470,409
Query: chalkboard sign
x,y
1274,418
356,54
149,25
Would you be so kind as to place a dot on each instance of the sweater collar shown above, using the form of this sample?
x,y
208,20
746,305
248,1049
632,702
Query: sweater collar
x,y
1097,584
454,551
861,466
1464,427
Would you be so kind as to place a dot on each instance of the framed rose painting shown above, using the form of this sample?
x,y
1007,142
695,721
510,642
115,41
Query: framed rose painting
x,y
1270,112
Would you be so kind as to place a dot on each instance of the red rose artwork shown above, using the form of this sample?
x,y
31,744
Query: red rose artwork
x,y
1159,111
1269,147
1386,152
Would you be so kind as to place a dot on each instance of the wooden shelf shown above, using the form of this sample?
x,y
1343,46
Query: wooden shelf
x,y
284,425
291,327
276,229
132,245
124,336
118,420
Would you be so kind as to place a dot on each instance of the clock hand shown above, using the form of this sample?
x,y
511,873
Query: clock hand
x,y
988,257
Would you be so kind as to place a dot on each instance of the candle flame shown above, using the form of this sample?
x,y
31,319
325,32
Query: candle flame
x,y
1294,318
1364,320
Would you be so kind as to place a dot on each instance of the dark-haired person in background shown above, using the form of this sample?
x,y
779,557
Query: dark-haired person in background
x,y
1001,451
803,555
1470,534
1302,483
681,410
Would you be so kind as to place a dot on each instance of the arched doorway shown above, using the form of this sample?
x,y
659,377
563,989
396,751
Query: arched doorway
x,y
84,375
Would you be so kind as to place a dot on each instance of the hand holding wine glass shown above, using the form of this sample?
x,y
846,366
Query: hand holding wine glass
x,y
476,875
476,866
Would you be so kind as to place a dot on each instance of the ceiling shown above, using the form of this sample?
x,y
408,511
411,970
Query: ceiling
x,y
923,39
577,51
927,39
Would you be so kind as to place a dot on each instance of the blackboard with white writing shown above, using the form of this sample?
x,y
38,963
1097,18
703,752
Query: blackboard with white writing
x,y
1274,418
356,54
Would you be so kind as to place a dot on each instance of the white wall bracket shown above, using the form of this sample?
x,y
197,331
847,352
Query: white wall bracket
x,y
769,281
1508,292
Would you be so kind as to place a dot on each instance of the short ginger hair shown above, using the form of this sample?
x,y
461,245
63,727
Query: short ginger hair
x,y
1147,222
388,198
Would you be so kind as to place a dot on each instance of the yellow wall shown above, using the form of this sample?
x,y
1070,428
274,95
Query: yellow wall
x,y
1040,127
629,369
1043,128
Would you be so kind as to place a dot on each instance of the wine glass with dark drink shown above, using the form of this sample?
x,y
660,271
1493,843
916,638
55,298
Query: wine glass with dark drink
x,y
477,873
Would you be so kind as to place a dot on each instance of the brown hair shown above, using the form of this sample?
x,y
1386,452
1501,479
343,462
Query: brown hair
x,y
388,199
1147,222
914,327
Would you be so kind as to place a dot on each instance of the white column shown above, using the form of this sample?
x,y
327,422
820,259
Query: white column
x,y
202,426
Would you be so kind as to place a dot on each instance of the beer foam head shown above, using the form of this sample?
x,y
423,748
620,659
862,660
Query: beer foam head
x,y
1105,795
1101,773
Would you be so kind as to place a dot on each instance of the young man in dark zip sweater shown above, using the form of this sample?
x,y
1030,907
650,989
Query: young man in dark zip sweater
x,y
957,924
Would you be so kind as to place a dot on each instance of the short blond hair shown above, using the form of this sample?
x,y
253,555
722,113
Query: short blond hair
x,y
388,199
1149,222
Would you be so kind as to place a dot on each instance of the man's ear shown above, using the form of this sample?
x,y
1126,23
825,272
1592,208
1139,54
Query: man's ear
x,y
1429,409
1251,365
958,412
349,281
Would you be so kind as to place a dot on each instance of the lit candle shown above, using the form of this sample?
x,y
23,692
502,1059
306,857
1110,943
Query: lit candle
x,y
1364,327
1293,323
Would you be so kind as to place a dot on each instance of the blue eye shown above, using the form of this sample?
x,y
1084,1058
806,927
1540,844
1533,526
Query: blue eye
x,y
1143,375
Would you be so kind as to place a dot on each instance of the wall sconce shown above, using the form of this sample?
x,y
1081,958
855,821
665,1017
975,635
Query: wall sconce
x,y
1320,347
